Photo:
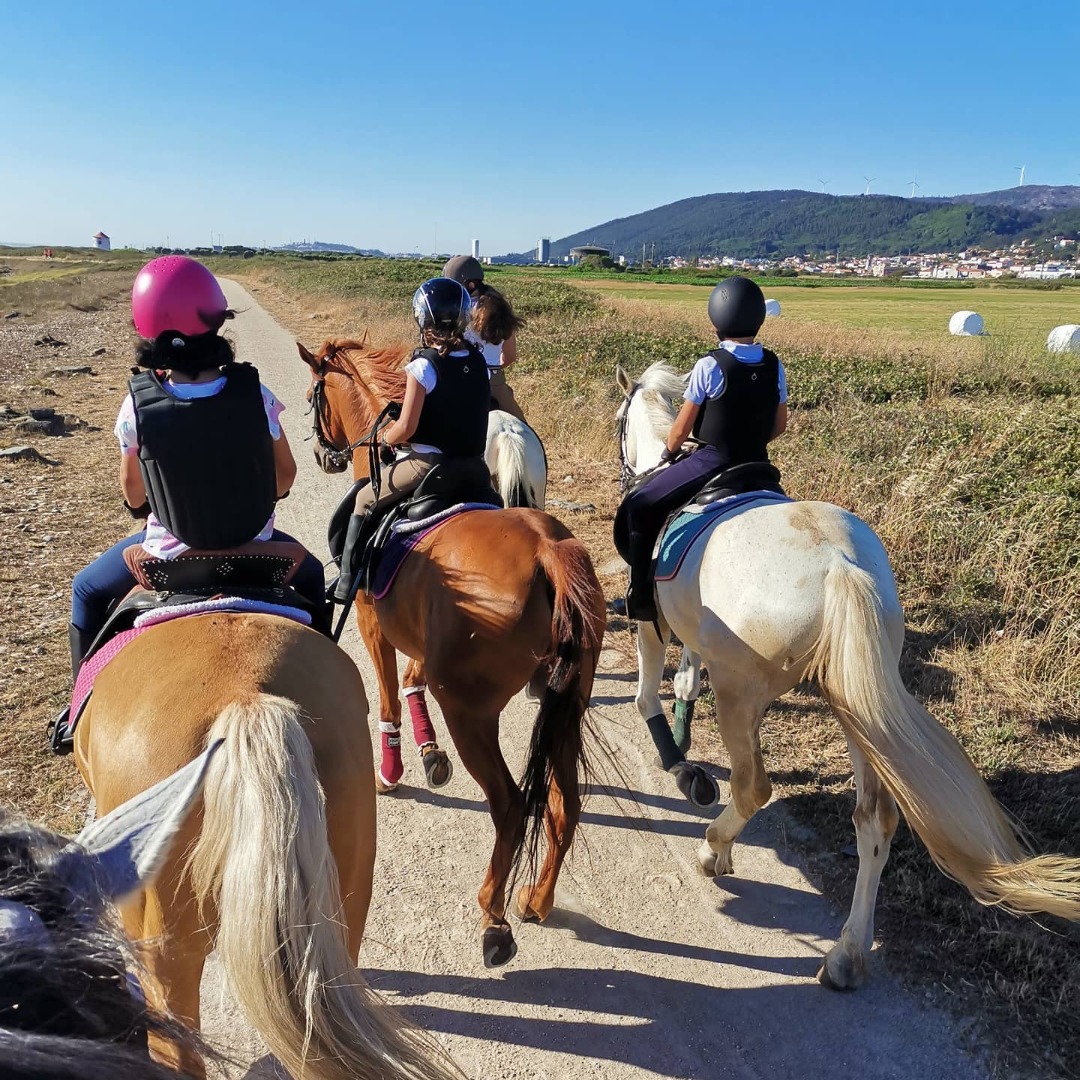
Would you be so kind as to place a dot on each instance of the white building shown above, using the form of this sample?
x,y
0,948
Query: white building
x,y
101,242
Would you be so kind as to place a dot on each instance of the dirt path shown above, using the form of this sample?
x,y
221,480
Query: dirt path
x,y
645,968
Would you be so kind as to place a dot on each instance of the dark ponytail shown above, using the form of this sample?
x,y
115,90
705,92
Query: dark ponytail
x,y
190,355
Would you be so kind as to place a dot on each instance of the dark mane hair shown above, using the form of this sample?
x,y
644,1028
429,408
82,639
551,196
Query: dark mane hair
x,y
493,318
66,1003
190,354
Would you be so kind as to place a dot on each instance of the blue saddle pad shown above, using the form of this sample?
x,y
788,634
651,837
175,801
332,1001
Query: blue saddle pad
x,y
688,525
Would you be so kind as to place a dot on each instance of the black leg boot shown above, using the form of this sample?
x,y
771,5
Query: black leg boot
x,y
640,598
355,536
59,737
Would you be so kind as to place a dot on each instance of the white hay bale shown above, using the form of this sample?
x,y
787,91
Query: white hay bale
x,y
966,324
772,308
1064,339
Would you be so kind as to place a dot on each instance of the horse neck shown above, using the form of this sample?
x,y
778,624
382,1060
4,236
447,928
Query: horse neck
x,y
643,442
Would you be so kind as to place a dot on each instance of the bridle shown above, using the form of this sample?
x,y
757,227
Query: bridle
x,y
626,474
339,457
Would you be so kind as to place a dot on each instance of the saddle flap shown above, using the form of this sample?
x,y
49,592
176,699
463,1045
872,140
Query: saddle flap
x,y
450,482
749,476
262,564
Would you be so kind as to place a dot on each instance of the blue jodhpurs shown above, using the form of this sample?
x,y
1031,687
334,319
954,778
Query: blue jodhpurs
x,y
648,506
108,579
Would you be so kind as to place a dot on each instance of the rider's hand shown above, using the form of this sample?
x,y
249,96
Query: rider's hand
x,y
386,453
669,455
393,410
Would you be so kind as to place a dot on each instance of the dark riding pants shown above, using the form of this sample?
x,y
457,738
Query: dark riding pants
x,y
108,579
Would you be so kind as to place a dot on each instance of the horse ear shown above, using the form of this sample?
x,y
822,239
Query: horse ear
x,y
307,357
128,847
622,380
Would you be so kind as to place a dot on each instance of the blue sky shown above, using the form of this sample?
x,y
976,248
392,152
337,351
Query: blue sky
x,y
403,125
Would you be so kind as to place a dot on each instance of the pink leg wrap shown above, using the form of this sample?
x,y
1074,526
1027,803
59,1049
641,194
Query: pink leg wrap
x,y
391,768
422,727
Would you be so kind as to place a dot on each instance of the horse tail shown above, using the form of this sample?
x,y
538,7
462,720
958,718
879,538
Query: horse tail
x,y
510,466
577,631
264,861
968,834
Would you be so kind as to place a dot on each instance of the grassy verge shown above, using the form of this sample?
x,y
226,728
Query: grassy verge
x,y
964,455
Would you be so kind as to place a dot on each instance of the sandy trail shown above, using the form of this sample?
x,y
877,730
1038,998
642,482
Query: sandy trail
x,y
645,968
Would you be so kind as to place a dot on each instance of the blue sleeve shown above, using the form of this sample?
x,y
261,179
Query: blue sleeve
x,y
706,381
783,383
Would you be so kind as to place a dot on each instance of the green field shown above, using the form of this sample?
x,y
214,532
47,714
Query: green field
x,y
1005,309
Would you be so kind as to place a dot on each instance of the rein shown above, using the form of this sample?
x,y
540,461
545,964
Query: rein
x,y
338,456
626,474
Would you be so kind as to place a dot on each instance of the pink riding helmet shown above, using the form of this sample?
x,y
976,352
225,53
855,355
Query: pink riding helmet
x,y
177,293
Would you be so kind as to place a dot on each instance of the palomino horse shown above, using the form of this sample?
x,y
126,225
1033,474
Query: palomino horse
x,y
275,868
781,592
514,455
489,601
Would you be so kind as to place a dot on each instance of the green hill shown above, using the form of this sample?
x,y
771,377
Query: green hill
x,y
780,223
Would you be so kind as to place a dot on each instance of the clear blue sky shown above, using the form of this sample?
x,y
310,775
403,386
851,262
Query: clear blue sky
x,y
377,123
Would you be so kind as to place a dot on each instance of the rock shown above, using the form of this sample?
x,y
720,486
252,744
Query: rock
x,y
21,453
43,414
99,352
7,410
43,427
12,314
81,369
48,339
567,479
576,507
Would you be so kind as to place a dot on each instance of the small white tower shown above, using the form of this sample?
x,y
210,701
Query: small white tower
x,y
476,249
101,242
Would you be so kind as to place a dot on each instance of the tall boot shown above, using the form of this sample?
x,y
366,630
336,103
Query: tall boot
x,y
355,537
79,641
640,599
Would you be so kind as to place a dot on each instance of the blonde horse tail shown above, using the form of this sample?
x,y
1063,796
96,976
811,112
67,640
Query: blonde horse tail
x,y
263,860
510,466
968,834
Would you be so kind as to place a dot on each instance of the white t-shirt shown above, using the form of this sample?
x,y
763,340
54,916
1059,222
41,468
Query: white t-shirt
x,y
492,353
427,375
707,380
159,541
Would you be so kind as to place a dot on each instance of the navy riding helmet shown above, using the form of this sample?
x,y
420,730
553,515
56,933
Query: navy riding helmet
x,y
737,308
441,304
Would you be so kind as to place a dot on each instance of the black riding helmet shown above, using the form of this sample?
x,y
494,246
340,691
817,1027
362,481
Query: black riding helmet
x,y
441,304
463,268
737,308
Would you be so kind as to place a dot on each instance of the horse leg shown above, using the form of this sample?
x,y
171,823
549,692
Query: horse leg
x,y
437,765
477,741
751,788
560,822
687,684
692,780
384,659
875,819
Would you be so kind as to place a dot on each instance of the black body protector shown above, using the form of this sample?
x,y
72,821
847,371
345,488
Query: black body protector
x,y
455,414
740,422
208,463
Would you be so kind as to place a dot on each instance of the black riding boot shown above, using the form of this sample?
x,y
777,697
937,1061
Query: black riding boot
x,y
355,538
640,598
79,641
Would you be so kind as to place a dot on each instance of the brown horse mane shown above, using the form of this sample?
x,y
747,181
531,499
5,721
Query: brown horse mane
x,y
379,372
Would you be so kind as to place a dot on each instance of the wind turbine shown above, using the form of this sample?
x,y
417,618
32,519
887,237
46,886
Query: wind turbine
x,y
823,184
914,185
1023,169
869,180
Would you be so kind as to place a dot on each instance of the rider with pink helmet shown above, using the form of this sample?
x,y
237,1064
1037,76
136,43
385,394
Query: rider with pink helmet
x,y
203,454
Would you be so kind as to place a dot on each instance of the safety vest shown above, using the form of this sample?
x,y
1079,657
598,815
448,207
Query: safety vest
x,y
740,422
455,414
207,463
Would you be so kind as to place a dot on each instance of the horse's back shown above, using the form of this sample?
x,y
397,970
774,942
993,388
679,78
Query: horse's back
x,y
760,579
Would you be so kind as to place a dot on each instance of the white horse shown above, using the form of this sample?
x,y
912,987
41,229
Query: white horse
x,y
779,592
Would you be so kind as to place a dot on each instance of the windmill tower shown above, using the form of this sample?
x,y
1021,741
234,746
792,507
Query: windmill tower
x,y
824,184
914,185
1023,169
869,180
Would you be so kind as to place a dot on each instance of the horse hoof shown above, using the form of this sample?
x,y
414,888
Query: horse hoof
x,y
438,768
382,787
523,907
707,860
842,971
696,784
499,946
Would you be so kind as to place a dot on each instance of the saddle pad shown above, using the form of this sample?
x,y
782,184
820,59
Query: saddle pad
x,y
689,524
93,667
221,603
401,542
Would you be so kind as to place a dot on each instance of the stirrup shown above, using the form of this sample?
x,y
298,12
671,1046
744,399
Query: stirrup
x,y
61,741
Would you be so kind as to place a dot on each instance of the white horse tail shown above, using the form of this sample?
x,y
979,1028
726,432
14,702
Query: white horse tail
x,y
264,861
944,799
515,457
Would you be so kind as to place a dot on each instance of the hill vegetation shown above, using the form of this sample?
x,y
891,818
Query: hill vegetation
x,y
781,223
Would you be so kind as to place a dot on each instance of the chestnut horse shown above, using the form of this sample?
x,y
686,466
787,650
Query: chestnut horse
x,y
274,866
488,602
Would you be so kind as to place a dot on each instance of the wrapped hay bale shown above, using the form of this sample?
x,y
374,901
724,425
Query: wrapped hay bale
x,y
1064,339
966,324
772,308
